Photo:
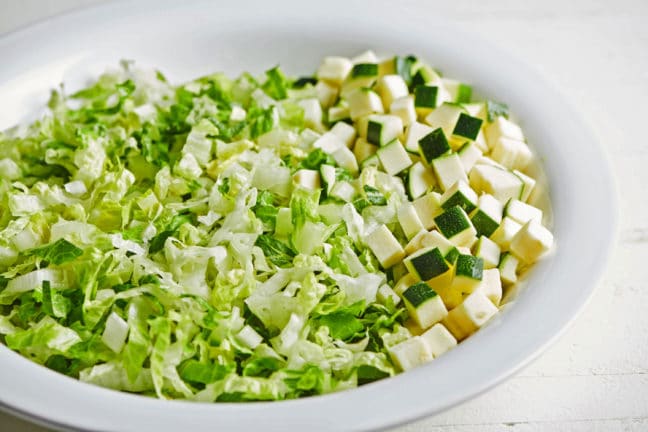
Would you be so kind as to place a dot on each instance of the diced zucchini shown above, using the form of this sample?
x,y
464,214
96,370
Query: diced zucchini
x,y
508,268
513,154
327,94
500,183
362,75
448,170
405,282
328,142
452,255
360,70
344,132
334,69
338,113
362,149
404,108
433,145
468,273
425,99
491,285
502,127
504,234
390,88
488,251
383,128
415,132
429,265
410,353
522,212
424,305
420,180
429,239
308,179
467,126
531,242
409,220
476,109
346,159
459,194
459,92
370,161
488,215
428,206
385,247
394,158
529,185
365,57
363,102
469,154
343,190
439,340
470,315
445,117
386,293
455,225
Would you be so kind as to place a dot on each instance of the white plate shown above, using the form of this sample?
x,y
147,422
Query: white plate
x,y
189,39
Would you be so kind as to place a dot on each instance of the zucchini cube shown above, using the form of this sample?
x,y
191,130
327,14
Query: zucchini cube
x,y
449,170
327,94
343,190
409,220
405,282
513,154
313,113
345,132
455,225
469,271
470,315
491,285
394,158
529,185
522,212
459,92
504,234
390,88
420,180
386,293
334,69
415,131
425,98
338,113
383,128
467,126
424,305
508,266
433,145
438,339
445,117
363,149
531,242
452,255
469,153
384,246
502,127
500,183
428,206
345,159
329,142
364,70
362,75
428,264
362,102
403,107
459,194
488,251
410,353
429,239
488,215
308,179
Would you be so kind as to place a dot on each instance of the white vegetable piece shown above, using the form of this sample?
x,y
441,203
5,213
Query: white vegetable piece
x,y
529,185
489,251
504,234
414,133
531,242
249,337
508,268
346,159
326,93
470,315
502,127
409,220
429,239
344,132
365,57
420,179
438,339
363,149
500,183
343,190
384,245
410,353
394,158
312,112
76,187
522,212
385,292
444,117
427,207
513,154
491,285
334,69
329,142
390,88
363,102
449,170
469,154
308,179
404,108
9,169
115,332
425,310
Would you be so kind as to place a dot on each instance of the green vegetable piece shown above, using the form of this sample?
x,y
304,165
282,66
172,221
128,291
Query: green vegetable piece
x,y
276,251
57,253
425,96
433,145
419,293
467,126
496,109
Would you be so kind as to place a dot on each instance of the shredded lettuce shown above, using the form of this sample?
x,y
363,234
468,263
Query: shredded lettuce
x,y
152,241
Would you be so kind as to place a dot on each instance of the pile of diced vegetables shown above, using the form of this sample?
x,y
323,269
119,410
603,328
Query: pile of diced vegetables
x,y
261,238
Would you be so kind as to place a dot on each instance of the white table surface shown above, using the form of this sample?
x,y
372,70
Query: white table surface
x,y
595,378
